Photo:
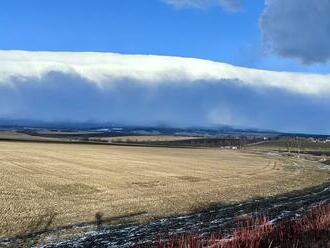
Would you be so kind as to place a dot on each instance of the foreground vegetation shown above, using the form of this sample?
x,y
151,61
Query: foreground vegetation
x,y
310,230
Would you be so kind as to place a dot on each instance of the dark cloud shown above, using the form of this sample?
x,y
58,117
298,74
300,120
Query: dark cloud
x,y
298,29
58,96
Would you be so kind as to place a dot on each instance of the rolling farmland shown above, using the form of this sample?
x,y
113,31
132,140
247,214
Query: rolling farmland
x,y
63,184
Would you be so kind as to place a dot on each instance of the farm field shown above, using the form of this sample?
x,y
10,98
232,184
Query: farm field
x,y
85,136
147,138
69,183
291,145
12,135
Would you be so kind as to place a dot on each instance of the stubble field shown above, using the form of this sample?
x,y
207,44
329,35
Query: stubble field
x,y
69,183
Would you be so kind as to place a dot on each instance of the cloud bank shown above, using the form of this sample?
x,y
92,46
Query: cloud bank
x,y
146,89
298,29
230,5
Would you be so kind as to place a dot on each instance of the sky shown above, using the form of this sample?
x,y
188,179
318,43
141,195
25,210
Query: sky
x,y
256,64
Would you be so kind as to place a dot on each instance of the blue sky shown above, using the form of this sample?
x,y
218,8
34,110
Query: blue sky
x,y
273,35
142,27
127,26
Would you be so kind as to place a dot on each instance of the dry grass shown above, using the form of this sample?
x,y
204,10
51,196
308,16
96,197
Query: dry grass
x,y
70,183
310,230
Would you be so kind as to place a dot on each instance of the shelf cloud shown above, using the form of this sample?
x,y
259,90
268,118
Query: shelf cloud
x,y
147,89
109,69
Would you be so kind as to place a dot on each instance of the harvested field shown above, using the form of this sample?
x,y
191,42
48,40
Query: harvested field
x,y
12,135
45,185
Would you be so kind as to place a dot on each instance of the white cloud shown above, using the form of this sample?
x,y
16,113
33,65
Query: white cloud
x,y
230,5
107,69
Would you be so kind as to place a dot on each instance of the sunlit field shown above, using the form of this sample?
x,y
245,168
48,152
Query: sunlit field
x,y
64,184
